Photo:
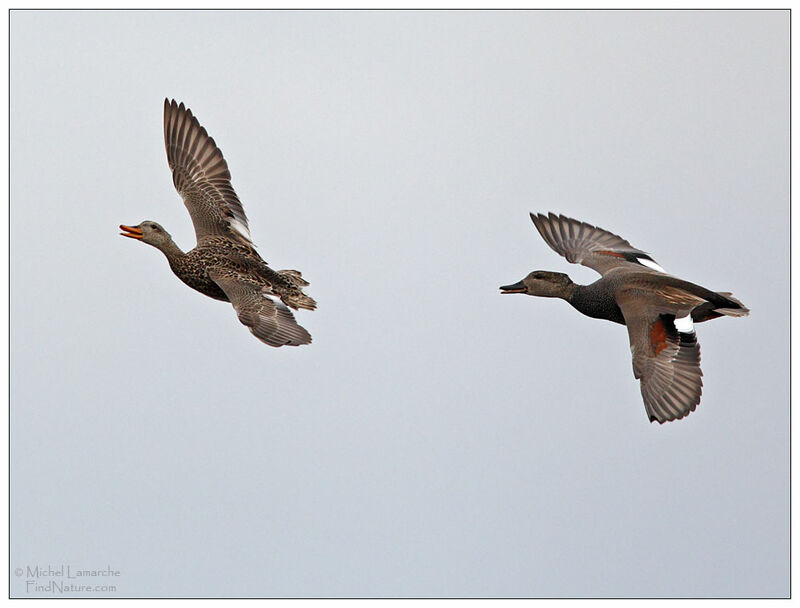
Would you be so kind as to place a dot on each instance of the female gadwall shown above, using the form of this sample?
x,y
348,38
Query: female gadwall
x,y
658,309
224,265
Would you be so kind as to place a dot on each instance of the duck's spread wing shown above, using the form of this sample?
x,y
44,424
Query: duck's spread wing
x,y
265,315
666,361
201,177
582,243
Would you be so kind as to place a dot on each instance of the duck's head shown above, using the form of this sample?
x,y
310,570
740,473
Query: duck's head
x,y
147,232
542,283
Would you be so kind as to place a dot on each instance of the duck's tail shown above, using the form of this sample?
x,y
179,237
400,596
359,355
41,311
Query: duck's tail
x,y
735,308
723,305
295,296
300,300
295,277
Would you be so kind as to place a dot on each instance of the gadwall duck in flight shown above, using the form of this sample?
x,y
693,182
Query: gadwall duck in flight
x,y
224,265
658,309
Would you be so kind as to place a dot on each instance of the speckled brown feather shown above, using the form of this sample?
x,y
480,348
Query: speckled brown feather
x,y
224,265
219,253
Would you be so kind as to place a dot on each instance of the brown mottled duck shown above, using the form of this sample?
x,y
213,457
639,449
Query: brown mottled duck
x,y
224,265
658,309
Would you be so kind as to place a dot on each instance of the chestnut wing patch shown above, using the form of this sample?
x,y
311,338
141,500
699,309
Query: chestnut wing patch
x,y
658,336
667,364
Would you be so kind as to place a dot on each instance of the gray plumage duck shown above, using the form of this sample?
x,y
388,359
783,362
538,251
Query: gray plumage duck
x,y
658,309
224,265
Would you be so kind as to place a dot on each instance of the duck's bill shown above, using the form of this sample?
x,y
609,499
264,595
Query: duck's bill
x,y
132,232
515,288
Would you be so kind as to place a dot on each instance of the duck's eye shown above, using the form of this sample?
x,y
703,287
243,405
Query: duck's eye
x,y
154,227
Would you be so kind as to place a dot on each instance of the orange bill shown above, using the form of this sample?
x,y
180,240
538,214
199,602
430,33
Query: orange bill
x,y
133,232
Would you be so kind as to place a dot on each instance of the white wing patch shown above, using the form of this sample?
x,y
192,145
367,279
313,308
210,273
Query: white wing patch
x,y
651,264
240,228
684,324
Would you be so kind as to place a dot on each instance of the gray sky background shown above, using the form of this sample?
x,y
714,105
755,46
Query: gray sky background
x,y
437,438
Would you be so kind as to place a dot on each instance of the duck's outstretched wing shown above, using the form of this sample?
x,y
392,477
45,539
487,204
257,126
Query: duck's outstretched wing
x,y
265,315
665,360
201,177
582,243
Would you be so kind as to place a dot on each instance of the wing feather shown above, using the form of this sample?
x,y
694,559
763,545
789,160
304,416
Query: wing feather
x,y
200,175
265,315
665,361
582,243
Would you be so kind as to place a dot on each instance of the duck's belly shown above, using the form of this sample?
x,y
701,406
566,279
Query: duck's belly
x,y
205,286
194,274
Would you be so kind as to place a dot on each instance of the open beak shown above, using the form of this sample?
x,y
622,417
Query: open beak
x,y
515,288
132,232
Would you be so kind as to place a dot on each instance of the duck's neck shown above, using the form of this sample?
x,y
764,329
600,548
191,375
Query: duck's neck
x,y
172,252
569,290
578,296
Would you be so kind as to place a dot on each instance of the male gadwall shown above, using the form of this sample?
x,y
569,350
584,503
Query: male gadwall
x,y
224,265
658,309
